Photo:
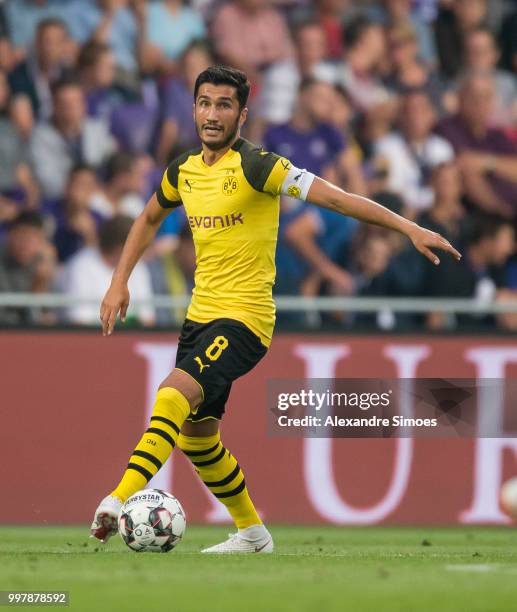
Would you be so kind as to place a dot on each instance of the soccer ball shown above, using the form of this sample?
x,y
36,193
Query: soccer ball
x,y
151,520
509,497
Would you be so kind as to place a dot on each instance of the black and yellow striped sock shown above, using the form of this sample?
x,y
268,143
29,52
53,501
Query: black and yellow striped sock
x,y
170,411
221,473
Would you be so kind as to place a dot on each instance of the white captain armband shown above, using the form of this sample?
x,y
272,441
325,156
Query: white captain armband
x,y
297,183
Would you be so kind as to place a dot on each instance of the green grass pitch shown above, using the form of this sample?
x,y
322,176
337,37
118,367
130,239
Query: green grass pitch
x,y
322,569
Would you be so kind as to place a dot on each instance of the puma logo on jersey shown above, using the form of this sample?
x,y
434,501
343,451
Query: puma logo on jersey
x,y
188,185
202,366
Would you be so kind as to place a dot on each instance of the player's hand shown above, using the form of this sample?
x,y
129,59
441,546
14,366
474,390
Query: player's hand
x,y
424,240
115,302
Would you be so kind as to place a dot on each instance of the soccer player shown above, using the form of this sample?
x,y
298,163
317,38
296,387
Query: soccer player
x,y
230,190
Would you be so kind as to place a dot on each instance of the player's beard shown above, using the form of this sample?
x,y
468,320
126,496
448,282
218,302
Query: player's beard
x,y
222,144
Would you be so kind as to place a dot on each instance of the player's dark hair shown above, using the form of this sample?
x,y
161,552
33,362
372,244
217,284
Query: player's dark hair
x,y
224,75
27,218
114,232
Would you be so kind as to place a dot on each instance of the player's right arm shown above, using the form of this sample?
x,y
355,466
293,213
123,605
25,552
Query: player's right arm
x,y
140,237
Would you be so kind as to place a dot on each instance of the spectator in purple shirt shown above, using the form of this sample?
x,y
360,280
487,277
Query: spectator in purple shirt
x,y
310,142
487,157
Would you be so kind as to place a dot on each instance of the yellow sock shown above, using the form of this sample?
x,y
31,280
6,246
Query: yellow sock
x,y
170,411
221,473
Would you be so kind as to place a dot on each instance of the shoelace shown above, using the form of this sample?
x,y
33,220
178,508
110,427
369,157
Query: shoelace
x,y
234,536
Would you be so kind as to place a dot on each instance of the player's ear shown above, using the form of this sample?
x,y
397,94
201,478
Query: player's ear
x,y
194,110
243,116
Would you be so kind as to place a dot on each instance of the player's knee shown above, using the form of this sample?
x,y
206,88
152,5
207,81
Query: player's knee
x,y
186,385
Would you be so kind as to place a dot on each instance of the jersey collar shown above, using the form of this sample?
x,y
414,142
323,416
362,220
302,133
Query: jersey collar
x,y
235,147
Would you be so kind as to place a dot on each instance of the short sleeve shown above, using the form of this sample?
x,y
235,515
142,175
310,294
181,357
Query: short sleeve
x,y
264,171
167,193
277,175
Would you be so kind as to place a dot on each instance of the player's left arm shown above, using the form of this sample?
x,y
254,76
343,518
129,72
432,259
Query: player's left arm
x,y
281,177
329,196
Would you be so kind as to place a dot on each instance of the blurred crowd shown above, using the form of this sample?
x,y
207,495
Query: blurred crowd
x,y
410,102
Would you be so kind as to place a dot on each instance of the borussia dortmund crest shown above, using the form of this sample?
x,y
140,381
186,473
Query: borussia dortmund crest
x,y
230,185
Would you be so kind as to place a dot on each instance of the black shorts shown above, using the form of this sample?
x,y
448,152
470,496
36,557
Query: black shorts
x,y
215,354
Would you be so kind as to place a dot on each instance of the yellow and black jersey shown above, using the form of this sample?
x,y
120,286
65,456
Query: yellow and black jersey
x,y
232,208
